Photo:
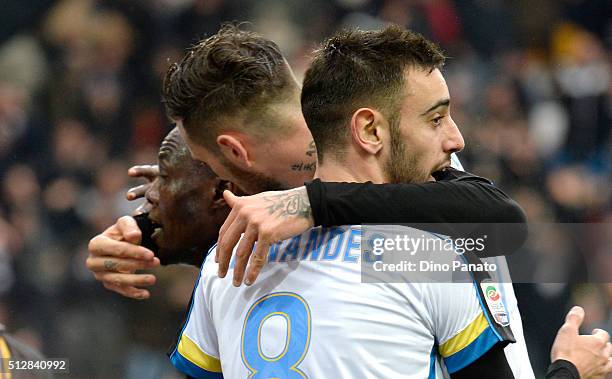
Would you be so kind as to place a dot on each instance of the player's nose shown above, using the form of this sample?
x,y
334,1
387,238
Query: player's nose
x,y
453,142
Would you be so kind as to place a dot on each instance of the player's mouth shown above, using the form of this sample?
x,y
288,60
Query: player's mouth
x,y
157,229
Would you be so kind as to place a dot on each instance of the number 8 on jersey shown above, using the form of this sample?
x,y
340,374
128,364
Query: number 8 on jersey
x,y
296,313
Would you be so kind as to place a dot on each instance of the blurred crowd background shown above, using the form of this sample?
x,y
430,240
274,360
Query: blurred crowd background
x,y
531,85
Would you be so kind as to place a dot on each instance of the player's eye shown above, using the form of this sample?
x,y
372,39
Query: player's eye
x,y
437,121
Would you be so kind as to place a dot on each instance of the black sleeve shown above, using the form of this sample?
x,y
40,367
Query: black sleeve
x,y
562,369
455,198
492,365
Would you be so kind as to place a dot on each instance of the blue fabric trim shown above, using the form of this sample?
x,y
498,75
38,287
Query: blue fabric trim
x,y
466,356
190,308
183,365
432,363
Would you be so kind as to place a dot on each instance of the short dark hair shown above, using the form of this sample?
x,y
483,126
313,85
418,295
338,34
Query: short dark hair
x,y
355,68
233,72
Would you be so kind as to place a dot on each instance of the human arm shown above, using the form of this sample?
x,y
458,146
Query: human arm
x,y
572,354
455,197
458,205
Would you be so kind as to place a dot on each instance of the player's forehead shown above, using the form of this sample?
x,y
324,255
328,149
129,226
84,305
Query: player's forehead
x,y
173,147
423,88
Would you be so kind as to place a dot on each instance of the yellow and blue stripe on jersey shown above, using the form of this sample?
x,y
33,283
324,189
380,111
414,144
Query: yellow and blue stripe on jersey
x,y
188,357
468,345
191,360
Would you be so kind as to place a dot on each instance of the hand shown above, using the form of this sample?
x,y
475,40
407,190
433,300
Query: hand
x,y
115,255
264,218
149,172
589,353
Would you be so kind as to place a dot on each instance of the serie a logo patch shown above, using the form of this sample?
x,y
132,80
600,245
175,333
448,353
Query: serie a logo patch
x,y
494,301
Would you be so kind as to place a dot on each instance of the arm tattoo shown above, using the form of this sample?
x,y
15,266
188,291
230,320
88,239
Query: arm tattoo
x,y
290,205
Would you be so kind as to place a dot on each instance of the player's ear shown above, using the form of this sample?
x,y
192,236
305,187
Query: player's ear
x,y
221,185
234,150
366,130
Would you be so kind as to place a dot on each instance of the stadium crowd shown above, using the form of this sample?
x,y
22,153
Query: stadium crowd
x,y
531,87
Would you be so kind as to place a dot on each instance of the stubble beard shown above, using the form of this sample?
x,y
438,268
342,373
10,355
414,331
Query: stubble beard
x,y
402,165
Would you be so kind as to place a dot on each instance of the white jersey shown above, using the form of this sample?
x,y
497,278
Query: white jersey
x,y
309,315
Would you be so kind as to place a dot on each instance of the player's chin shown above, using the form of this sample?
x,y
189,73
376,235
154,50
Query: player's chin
x,y
438,170
158,237
430,175
170,241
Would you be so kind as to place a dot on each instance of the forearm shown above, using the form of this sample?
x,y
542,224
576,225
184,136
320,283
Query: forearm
x,y
459,205
468,199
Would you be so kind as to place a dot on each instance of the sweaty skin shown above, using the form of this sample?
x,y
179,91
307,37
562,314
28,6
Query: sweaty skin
x,y
182,189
